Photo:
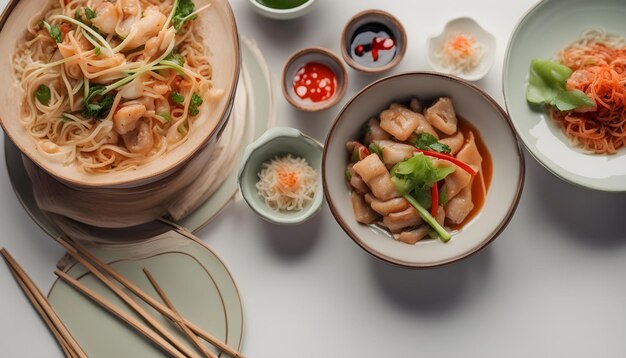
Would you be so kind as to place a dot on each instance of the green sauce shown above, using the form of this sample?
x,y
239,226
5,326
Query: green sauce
x,y
281,4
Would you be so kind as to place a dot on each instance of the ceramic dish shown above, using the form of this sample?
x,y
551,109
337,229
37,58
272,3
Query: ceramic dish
x,y
307,55
373,17
478,109
276,142
287,13
546,29
217,24
207,295
260,116
463,25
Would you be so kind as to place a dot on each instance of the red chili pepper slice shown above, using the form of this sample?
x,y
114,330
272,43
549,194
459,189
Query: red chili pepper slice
x,y
449,158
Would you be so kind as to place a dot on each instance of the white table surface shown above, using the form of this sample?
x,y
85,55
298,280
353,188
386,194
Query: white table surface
x,y
552,284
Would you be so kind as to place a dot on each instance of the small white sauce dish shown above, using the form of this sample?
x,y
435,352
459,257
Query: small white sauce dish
x,y
307,55
464,25
283,14
279,141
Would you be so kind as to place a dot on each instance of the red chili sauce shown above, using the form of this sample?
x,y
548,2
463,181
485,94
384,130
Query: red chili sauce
x,y
315,81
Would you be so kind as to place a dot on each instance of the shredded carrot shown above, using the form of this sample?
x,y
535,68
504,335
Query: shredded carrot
x,y
288,179
462,45
600,72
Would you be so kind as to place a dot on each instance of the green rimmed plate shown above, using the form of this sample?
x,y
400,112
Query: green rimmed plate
x,y
546,29
206,296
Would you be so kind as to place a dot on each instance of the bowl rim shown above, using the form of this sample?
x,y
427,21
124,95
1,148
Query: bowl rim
x,y
567,177
491,237
265,139
141,180
291,10
396,60
343,75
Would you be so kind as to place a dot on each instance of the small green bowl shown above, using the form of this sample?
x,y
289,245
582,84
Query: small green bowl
x,y
279,141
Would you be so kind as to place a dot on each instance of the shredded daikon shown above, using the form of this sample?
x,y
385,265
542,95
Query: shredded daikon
x,y
460,53
287,183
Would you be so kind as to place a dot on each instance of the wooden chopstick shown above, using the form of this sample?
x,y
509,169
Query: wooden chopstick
x,y
126,318
75,248
179,318
64,337
130,302
60,339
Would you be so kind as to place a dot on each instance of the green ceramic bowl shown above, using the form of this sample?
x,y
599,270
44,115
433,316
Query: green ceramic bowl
x,y
279,141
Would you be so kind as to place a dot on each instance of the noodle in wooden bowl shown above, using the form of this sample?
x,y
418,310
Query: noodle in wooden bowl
x,y
117,94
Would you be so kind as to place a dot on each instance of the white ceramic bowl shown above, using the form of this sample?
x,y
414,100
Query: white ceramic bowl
x,y
283,14
546,29
464,25
219,30
476,107
274,142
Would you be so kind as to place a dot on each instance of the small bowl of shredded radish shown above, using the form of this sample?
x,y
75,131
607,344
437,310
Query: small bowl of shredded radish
x,y
279,176
463,49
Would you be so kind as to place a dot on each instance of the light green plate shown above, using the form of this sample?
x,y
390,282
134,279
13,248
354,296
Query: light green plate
x,y
192,276
545,30
260,116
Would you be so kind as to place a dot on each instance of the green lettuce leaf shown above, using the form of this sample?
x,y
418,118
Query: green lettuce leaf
x,y
546,85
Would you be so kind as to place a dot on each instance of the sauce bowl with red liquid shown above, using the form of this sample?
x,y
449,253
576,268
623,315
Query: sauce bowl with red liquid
x,y
373,41
314,79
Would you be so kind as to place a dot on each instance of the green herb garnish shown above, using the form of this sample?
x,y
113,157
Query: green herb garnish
x,y
196,101
175,57
95,105
184,12
348,175
546,85
373,148
53,30
90,14
413,179
166,116
97,51
427,141
177,97
43,94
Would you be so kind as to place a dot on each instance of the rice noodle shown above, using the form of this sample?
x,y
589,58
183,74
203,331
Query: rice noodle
x,y
60,127
287,183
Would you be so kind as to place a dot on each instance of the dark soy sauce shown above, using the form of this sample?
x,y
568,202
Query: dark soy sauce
x,y
373,45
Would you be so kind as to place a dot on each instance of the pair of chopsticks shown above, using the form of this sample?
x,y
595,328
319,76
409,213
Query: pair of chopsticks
x,y
156,333
68,344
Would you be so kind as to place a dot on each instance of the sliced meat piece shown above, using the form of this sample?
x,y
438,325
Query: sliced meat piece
x,y
406,218
413,236
356,181
455,142
399,121
441,115
469,154
374,132
389,206
441,215
394,152
416,105
376,176
424,127
458,207
456,181
362,212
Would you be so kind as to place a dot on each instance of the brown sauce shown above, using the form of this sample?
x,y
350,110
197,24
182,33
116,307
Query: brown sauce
x,y
479,193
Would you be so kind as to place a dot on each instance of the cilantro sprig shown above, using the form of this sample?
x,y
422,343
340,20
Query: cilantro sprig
x,y
53,30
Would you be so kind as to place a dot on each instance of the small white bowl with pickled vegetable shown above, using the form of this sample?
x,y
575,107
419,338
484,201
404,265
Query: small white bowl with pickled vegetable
x,y
422,145
280,176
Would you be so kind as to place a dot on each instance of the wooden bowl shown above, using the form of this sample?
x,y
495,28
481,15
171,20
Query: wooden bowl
x,y
219,30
